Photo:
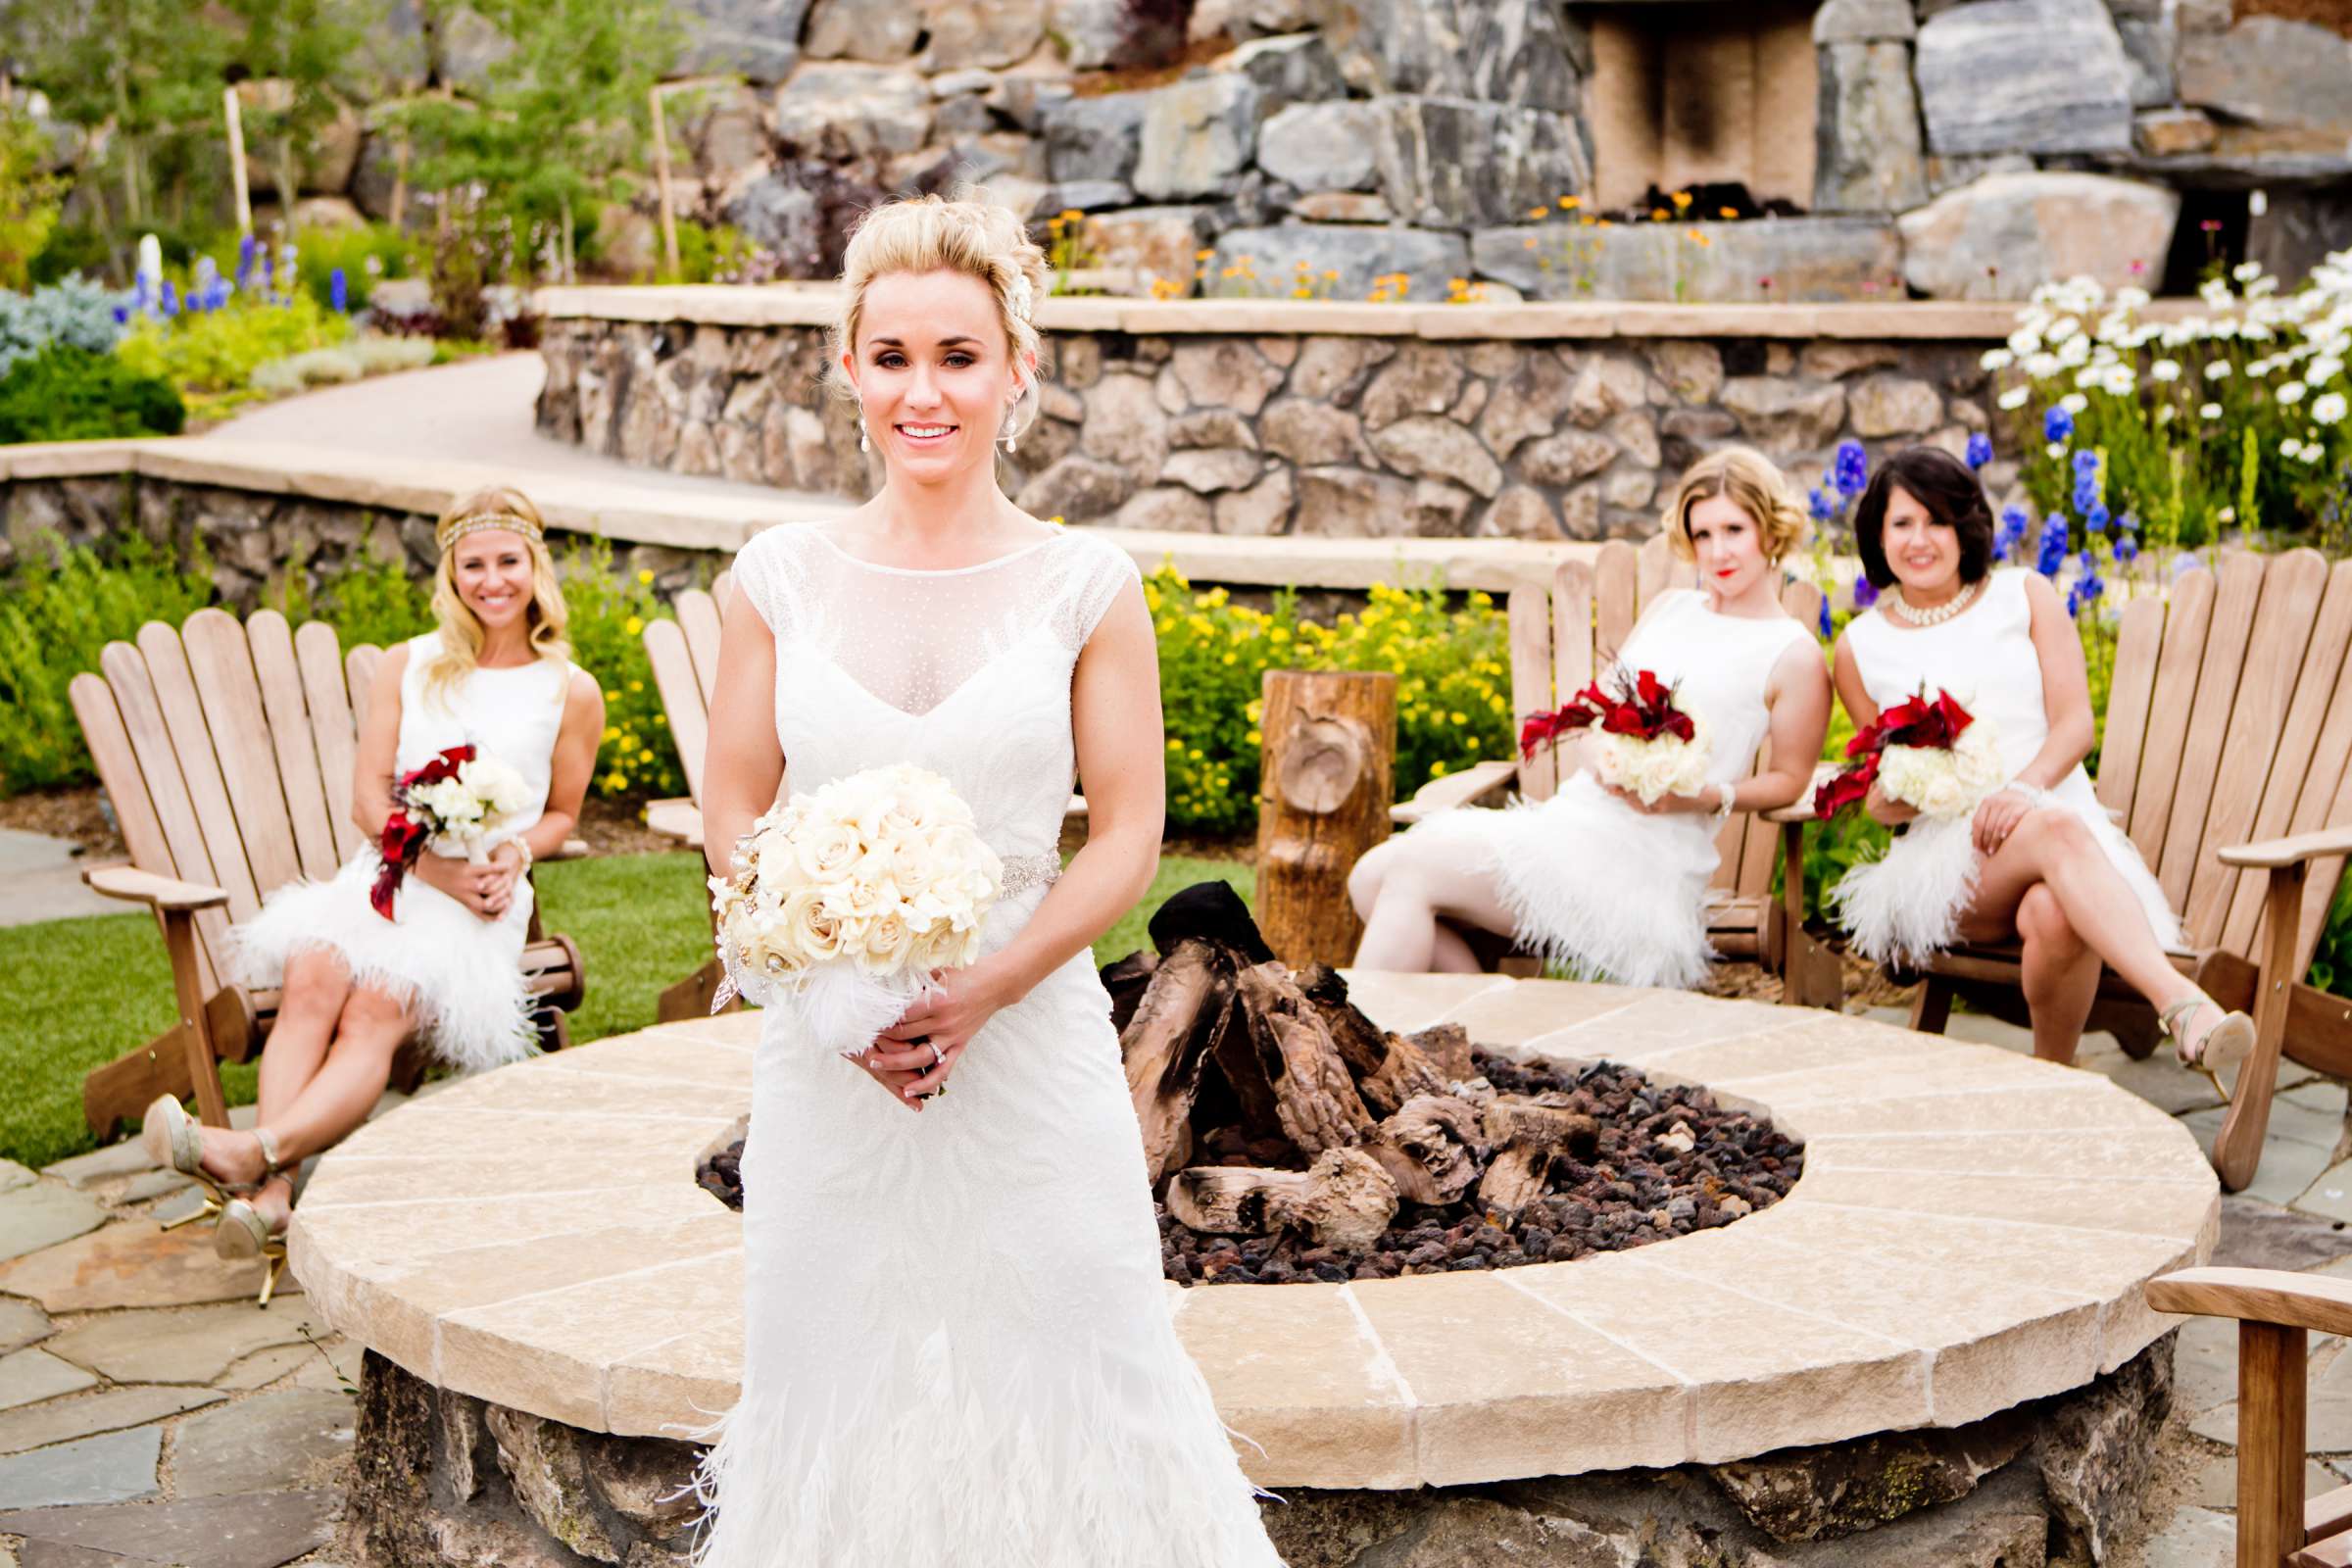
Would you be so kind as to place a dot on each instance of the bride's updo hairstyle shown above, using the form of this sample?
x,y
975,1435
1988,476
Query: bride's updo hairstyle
x,y
1751,482
507,510
1939,482
963,235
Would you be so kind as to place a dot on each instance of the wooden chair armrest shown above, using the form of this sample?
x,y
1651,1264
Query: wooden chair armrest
x,y
161,893
2277,854
676,818
1800,810
569,850
2257,1295
1075,812
1453,790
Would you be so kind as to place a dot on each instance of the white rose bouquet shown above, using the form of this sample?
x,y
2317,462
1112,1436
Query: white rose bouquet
x,y
1648,746
844,899
1930,753
457,804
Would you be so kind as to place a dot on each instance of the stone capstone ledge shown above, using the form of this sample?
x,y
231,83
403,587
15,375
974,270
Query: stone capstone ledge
x,y
1972,1232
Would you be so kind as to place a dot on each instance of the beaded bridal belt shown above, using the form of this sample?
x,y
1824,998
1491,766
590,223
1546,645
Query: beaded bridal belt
x,y
1025,872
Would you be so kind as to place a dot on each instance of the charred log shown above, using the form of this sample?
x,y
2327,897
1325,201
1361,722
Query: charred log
x,y
1432,1148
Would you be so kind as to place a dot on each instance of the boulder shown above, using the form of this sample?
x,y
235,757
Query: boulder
x,y
2149,47
1422,379
1808,260
1024,100
1454,163
1094,138
2172,133
1562,460
1892,404
1295,70
2268,70
1358,252
1098,35
1528,402
1343,207
1996,238
1196,138
1262,509
1865,21
1250,18
1353,504
1155,242
1224,373
2298,229
1431,447
1786,415
1516,52
1169,509
1309,433
1868,155
1521,513
1125,425
1077,488
466,44
969,33
1320,147
719,139
1690,368
882,31
756,39
2024,76
780,214
1950,174
1080,196
2098,1449
842,111
1214,469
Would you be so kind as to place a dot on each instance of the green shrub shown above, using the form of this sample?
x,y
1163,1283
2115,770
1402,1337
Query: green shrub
x,y
70,393
368,255
61,606
708,253
213,354
372,600
77,313
637,759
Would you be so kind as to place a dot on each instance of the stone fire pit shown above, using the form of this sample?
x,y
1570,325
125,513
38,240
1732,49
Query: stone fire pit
x,y
550,1301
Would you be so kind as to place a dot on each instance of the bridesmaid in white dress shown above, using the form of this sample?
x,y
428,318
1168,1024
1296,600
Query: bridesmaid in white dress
x,y
957,1346
495,673
1593,878
2041,863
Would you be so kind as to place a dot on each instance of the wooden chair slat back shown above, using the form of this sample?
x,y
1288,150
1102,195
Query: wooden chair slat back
x,y
335,727
2139,641
1571,629
1530,682
1616,599
2187,619
2226,641
221,667
279,673
684,699
2311,783
126,785
359,677
698,618
722,591
1658,568
191,740
186,855
2262,738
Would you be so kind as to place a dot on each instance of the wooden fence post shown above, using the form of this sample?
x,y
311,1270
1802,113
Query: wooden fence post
x,y
1328,779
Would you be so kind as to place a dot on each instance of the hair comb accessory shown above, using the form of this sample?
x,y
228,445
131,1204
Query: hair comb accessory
x,y
1020,295
457,529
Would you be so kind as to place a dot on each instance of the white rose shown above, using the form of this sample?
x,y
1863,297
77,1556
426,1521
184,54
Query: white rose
x,y
827,849
885,943
807,928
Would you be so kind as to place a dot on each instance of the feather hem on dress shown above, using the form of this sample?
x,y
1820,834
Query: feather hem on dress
x,y
461,975
945,1463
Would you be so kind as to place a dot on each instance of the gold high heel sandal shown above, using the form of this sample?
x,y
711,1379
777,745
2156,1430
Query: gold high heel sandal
x,y
2224,1047
174,1141
243,1232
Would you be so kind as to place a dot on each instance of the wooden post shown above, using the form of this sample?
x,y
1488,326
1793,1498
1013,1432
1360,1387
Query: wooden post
x,y
237,160
2272,1363
669,211
1328,780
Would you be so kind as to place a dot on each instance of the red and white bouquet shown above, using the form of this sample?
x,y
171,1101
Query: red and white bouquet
x,y
1646,747
1930,753
457,804
843,900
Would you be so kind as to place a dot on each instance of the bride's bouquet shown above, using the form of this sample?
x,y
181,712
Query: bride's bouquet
x,y
1648,746
844,899
456,804
1930,753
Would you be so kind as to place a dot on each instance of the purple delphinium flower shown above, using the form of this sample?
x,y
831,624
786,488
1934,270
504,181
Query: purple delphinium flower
x,y
2012,533
1979,450
1851,469
2127,548
1825,618
2187,560
246,251
1823,504
121,315
2096,517
2057,425
1866,593
338,291
2085,464
169,302
2088,588
2051,554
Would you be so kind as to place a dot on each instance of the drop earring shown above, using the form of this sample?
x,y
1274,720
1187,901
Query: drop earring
x,y
863,445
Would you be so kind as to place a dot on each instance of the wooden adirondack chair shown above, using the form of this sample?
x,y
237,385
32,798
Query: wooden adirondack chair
x,y
2276,1313
2229,728
1559,639
227,750
684,654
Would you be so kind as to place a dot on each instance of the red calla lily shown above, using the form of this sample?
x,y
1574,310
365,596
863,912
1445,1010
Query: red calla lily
x,y
404,835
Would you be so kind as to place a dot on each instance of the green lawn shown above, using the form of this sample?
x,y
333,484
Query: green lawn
x,y
77,993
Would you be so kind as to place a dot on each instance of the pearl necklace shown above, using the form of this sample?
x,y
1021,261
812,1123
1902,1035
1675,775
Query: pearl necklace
x,y
1940,614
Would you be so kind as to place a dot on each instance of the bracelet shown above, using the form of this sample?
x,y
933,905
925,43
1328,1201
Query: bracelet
x,y
1727,794
524,847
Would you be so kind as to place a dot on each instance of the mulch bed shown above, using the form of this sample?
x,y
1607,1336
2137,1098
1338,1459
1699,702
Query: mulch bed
x,y
78,812
1641,1185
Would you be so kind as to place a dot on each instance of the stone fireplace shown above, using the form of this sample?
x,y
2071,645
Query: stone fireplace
x,y
1685,95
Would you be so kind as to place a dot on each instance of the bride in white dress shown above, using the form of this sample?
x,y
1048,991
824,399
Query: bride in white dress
x,y
958,1346
1593,878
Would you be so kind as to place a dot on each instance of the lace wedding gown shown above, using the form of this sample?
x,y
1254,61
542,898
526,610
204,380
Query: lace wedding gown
x,y
957,1350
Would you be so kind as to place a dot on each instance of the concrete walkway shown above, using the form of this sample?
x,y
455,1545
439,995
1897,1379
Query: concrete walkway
x,y
475,411
40,879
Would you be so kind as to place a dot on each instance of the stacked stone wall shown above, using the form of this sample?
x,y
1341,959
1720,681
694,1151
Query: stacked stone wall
x,y
1350,435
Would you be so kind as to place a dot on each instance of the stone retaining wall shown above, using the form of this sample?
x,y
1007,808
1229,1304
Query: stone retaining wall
x,y
446,1478
1352,431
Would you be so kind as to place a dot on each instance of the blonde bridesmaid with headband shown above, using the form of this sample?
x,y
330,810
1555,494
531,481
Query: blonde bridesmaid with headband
x,y
495,673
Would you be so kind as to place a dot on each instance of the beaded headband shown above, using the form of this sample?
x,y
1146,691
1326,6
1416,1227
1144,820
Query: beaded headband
x,y
485,523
